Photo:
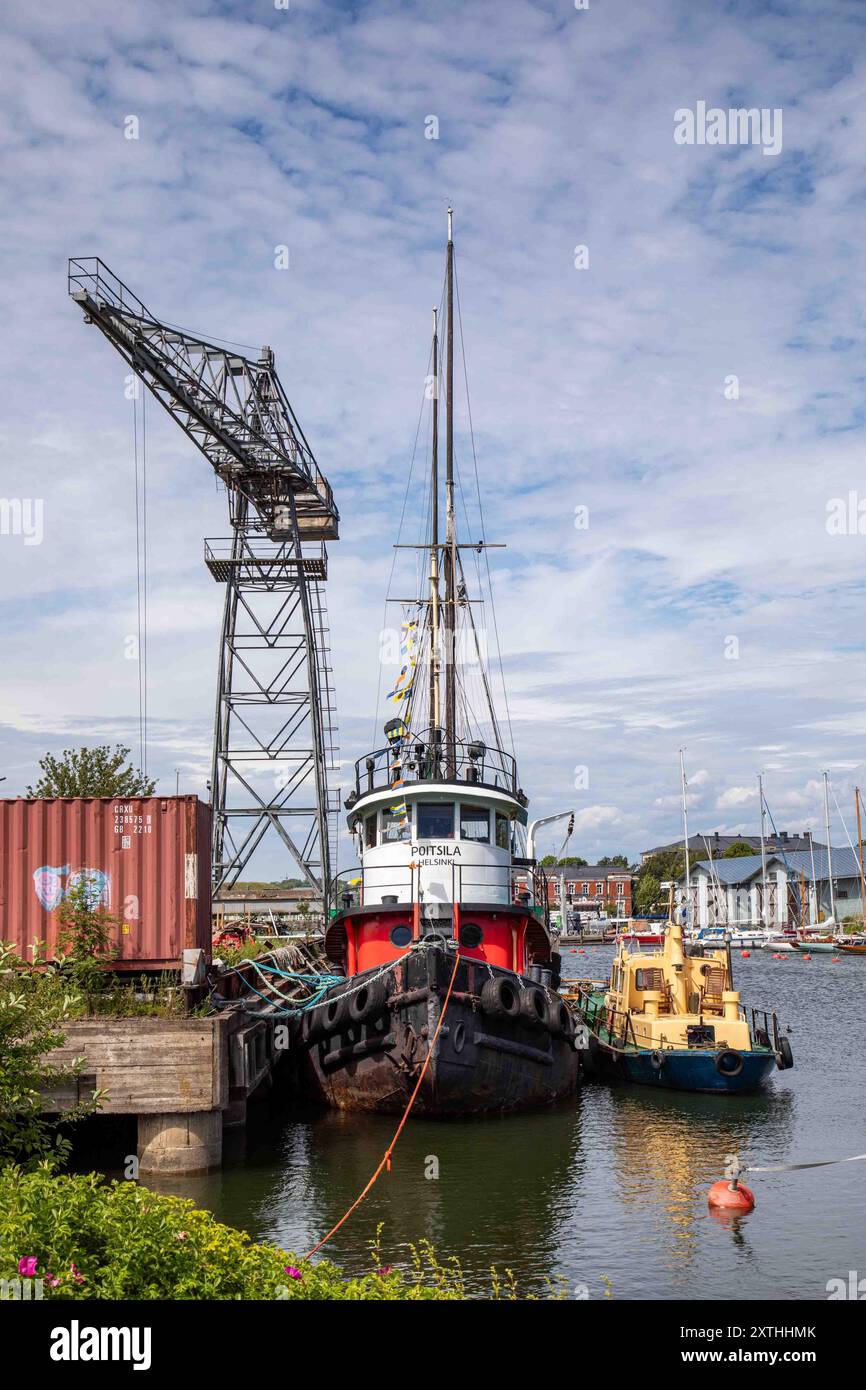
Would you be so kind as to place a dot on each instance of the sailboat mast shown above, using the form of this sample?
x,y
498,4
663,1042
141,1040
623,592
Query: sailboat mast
x,y
435,679
763,853
685,837
829,848
860,851
450,525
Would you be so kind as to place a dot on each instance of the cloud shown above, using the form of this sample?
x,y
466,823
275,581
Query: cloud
x,y
602,387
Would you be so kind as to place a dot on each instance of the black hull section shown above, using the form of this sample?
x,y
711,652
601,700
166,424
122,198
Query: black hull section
x,y
484,1063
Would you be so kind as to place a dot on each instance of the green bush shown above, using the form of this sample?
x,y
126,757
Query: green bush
x,y
93,1239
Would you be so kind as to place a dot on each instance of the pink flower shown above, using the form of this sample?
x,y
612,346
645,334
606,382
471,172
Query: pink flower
x,y
27,1266
181,1235
386,1269
76,1274
53,1282
293,1272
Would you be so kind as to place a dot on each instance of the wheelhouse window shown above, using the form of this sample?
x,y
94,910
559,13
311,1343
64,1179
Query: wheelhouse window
x,y
475,823
396,824
435,820
503,831
370,831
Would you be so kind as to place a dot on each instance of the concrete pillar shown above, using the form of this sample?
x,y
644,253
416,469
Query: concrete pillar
x,y
180,1143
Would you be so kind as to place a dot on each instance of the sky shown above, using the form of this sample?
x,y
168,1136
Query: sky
x,y
669,421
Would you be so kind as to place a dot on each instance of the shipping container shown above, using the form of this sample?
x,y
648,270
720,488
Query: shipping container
x,y
146,860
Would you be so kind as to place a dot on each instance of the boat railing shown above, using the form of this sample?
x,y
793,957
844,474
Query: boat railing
x,y
427,757
617,1023
764,1029
501,883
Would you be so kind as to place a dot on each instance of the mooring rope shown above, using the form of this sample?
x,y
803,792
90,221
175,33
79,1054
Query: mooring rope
x,y
792,1167
386,1157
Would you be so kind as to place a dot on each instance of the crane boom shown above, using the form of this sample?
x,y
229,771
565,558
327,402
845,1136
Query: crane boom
x,y
275,713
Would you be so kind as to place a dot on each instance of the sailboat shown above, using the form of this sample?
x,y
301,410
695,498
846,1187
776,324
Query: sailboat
x,y
448,916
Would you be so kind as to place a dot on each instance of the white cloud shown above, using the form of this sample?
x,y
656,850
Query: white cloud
x,y
600,387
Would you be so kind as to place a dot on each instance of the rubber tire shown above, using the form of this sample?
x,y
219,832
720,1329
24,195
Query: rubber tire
x,y
311,1027
334,1014
500,998
533,1007
559,1019
368,1001
657,1059
729,1072
784,1057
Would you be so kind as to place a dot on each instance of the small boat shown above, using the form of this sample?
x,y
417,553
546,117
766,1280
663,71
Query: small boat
x,y
818,947
673,1019
642,938
779,945
852,948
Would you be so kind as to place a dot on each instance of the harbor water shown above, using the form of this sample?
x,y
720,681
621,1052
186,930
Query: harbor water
x,y
605,1195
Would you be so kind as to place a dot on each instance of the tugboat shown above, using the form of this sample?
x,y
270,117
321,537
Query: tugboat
x,y
673,1019
445,907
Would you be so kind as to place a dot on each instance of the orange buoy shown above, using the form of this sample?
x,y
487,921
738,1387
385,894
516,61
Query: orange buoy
x,y
574,950
581,952
834,960
724,1194
745,954
806,956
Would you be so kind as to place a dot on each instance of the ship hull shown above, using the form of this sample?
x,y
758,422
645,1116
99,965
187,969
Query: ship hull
x,y
482,1063
682,1070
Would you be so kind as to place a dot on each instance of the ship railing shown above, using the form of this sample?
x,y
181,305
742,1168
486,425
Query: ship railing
x,y
617,1023
764,1029
503,883
426,757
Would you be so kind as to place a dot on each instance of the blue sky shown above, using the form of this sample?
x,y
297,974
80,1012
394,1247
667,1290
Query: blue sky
x,y
602,387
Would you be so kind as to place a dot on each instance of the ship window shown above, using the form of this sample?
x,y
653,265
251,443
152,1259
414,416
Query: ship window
x,y
475,823
471,935
435,820
395,823
370,831
401,935
503,831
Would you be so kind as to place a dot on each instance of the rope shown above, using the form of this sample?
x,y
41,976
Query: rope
x,y
386,1157
793,1167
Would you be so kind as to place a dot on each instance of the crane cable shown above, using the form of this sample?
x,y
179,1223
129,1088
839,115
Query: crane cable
x,y
385,1161
141,563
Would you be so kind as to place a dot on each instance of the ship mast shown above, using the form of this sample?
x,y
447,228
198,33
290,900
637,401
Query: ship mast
x,y
450,525
435,713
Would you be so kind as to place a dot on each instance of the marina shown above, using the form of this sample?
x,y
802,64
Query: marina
x,y
432,834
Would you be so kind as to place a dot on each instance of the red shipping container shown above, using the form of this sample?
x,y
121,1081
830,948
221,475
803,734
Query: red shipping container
x,y
146,860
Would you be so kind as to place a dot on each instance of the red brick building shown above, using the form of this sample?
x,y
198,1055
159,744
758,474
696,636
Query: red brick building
x,y
592,888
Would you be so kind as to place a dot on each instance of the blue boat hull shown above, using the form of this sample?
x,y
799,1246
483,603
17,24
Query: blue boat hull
x,y
686,1070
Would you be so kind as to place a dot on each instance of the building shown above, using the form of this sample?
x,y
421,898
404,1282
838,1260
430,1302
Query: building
x,y
594,889
712,843
735,892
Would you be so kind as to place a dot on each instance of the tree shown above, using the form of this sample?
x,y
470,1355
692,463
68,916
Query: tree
x,y
738,850
664,864
614,861
647,894
91,772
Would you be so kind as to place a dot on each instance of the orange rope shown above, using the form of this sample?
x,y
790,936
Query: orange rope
x,y
386,1157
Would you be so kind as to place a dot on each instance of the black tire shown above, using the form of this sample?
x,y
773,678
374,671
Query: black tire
x,y
500,998
533,1007
657,1059
311,1027
559,1019
368,1001
729,1062
784,1057
555,969
334,1014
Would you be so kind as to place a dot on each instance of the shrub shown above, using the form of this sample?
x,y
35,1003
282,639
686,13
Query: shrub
x,y
92,1239
35,1002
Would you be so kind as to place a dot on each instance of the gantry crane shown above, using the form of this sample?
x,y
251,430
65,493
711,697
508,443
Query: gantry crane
x,y
274,710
